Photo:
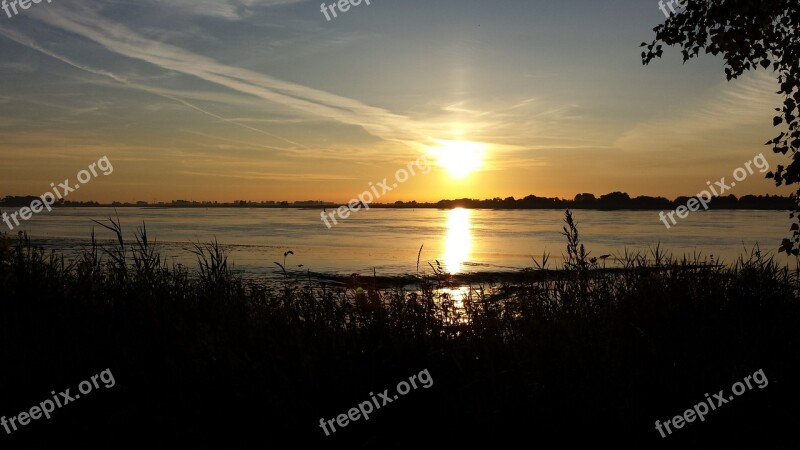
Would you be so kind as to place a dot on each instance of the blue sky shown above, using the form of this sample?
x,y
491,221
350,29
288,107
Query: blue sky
x,y
265,99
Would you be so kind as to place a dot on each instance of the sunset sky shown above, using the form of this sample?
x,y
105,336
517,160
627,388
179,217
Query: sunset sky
x,y
266,100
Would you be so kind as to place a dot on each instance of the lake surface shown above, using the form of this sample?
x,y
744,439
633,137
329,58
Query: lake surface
x,y
388,240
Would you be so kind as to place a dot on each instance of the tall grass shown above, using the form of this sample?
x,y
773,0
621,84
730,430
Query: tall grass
x,y
207,354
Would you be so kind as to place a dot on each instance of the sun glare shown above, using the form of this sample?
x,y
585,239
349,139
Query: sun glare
x,y
459,240
459,158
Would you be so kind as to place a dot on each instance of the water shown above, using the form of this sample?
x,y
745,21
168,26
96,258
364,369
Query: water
x,y
388,240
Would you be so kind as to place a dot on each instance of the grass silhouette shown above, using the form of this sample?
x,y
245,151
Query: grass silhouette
x,y
207,358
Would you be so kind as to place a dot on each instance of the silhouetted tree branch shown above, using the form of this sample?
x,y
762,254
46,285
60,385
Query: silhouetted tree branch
x,y
750,35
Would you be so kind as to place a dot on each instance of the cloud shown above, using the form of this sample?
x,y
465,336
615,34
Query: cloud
x,y
226,9
222,9
87,23
727,109
17,67
503,127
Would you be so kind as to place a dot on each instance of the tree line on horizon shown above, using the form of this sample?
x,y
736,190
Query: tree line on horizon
x,y
611,201
616,200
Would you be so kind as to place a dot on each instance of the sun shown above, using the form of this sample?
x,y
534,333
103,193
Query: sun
x,y
459,158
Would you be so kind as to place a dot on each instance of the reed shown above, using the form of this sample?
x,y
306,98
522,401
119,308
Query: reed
x,y
209,354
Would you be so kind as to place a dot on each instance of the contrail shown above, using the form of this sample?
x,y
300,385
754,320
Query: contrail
x,y
28,43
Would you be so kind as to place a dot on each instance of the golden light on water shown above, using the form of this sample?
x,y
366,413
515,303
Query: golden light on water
x,y
458,244
459,158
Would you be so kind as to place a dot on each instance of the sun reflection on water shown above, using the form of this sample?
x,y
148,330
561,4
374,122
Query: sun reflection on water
x,y
458,244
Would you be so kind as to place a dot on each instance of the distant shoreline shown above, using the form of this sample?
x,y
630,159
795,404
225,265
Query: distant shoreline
x,y
581,208
615,201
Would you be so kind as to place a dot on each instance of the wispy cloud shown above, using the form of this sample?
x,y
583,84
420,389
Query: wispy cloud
x,y
226,9
724,110
122,40
17,67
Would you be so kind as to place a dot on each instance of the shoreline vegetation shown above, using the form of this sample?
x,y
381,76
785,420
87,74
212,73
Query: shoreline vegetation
x,y
564,355
611,201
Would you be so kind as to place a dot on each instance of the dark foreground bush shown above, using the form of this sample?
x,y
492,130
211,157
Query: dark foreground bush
x,y
209,360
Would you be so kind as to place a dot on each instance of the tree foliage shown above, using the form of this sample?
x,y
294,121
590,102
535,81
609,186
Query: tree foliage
x,y
749,35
